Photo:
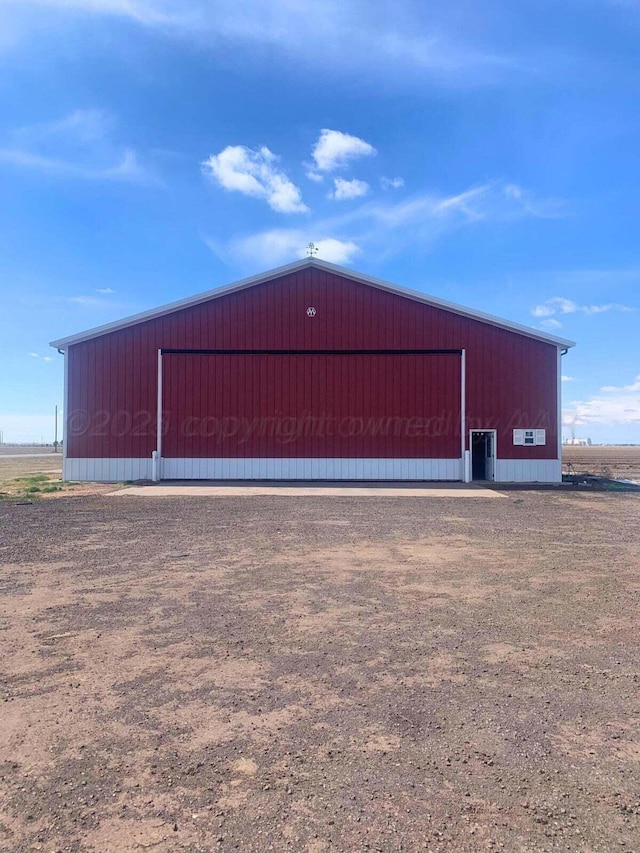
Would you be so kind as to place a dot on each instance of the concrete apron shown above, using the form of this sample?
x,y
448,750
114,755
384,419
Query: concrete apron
x,y
204,489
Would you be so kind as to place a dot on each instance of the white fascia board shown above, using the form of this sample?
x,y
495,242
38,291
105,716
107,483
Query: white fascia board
x,y
254,280
453,307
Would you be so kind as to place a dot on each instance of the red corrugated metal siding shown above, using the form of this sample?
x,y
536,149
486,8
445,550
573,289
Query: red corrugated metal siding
x,y
310,406
511,379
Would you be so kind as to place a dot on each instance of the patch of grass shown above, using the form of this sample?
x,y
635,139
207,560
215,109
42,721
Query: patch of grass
x,y
34,486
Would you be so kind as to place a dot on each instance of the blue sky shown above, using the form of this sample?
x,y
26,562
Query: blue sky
x,y
484,152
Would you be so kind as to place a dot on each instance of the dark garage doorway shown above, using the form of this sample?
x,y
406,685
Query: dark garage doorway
x,y
483,454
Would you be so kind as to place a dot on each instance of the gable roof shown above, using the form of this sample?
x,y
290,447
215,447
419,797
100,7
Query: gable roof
x,y
216,293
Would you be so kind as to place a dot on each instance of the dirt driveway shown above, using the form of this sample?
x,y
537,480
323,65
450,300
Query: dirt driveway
x,y
273,673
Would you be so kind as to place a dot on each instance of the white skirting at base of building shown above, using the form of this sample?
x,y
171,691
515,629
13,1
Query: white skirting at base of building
x,y
528,471
311,469
122,470
119,470
106,470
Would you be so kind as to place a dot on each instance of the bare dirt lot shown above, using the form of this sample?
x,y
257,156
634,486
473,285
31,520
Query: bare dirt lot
x,y
317,674
609,461
26,466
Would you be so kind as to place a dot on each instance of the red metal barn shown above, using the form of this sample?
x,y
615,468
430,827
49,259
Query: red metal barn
x,y
312,371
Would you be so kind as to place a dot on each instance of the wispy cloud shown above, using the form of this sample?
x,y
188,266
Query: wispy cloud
x,y
558,306
102,301
348,36
551,323
127,169
633,387
392,183
88,301
490,201
566,378
380,227
254,173
78,146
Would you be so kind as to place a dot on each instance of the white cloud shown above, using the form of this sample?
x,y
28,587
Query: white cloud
x,y
559,305
47,358
79,146
254,173
551,323
634,386
104,290
614,405
348,189
281,245
335,149
391,183
34,355
335,251
383,228
566,378
314,176
607,411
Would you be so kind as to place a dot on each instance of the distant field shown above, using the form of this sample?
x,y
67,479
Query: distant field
x,y
28,466
26,450
608,460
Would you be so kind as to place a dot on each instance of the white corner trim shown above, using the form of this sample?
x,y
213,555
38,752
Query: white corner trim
x,y
559,411
65,415
463,402
159,414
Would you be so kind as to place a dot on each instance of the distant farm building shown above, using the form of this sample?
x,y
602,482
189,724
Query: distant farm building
x,y
313,371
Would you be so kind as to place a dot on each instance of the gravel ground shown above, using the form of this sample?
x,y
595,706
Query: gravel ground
x,y
314,674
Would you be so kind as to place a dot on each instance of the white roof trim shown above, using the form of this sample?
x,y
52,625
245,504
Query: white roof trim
x,y
216,293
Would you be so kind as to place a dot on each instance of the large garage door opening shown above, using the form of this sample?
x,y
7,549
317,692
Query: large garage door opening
x,y
311,415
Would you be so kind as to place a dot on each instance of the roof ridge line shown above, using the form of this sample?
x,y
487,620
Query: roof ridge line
x,y
293,267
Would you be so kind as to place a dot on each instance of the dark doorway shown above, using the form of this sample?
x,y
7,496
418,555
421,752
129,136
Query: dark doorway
x,y
482,455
